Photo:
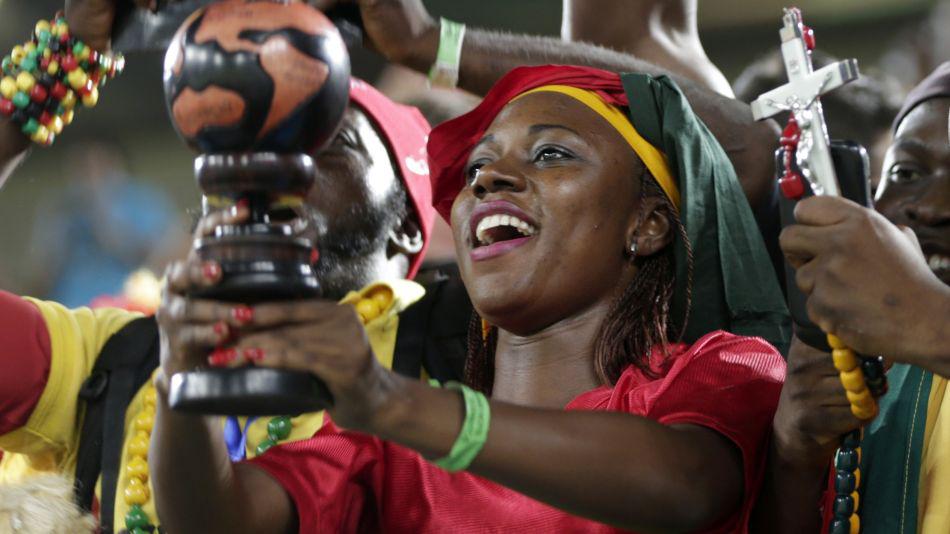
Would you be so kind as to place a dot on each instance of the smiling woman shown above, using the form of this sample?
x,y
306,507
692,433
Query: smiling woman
x,y
568,219
618,388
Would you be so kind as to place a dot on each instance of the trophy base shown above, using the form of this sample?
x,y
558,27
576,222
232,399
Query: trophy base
x,y
255,391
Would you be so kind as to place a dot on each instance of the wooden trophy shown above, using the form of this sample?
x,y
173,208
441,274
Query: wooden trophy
x,y
253,86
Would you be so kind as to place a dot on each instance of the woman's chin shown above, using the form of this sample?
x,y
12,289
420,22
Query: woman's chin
x,y
509,310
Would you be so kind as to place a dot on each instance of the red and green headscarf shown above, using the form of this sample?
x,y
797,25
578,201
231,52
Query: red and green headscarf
x,y
734,285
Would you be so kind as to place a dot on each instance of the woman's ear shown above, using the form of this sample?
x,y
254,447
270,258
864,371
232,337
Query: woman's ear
x,y
650,231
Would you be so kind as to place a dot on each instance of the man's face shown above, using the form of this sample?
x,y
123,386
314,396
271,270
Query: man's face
x,y
915,182
352,203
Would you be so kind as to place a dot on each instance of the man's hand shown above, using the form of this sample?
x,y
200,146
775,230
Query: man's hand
x,y
866,279
397,29
813,411
91,21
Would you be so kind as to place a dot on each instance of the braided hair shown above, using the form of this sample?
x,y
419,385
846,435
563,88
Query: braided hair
x,y
638,321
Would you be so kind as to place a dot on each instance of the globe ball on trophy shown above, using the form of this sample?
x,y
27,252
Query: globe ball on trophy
x,y
254,86
262,76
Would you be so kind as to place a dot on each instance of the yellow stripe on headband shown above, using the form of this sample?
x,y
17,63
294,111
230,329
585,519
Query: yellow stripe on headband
x,y
654,160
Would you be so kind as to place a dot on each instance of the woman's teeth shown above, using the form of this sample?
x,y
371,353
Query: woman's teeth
x,y
485,237
938,262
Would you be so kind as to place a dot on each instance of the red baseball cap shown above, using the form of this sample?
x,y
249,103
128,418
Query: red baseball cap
x,y
405,132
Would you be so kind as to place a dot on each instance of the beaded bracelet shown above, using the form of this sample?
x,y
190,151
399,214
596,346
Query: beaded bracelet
x,y
474,431
45,79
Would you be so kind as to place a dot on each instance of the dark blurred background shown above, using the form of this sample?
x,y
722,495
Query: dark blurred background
x,y
153,170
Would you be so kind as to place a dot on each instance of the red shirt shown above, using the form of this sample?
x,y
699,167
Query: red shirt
x,y
24,360
344,481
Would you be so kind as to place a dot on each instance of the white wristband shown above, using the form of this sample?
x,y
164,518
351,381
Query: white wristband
x,y
445,70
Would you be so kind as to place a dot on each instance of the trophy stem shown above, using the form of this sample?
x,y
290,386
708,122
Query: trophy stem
x,y
261,260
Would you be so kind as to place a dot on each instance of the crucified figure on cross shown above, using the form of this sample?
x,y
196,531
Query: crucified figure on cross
x,y
801,95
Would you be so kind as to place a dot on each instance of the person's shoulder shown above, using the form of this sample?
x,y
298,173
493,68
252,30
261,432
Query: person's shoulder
x,y
714,365
720,348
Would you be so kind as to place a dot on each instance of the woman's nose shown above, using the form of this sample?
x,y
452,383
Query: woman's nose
x,y
496,177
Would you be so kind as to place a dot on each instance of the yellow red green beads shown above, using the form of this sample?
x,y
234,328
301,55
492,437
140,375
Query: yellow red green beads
x,y
56,72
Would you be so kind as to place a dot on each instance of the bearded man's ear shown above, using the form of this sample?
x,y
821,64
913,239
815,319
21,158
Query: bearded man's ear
x,y
406,238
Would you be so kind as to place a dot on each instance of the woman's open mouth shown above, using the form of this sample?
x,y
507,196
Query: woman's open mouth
x,y
498,227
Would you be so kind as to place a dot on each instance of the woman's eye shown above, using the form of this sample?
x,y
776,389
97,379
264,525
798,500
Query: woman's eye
x,y
472,170
550,153
903,174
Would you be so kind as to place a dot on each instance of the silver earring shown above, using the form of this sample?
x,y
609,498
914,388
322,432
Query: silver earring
x,y
633,249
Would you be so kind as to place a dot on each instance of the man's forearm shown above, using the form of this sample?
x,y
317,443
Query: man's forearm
x,y
789,500
13,148
487,56
198,489
663,33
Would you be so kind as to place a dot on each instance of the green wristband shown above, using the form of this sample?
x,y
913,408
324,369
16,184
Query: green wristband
x,y
445,70
474,431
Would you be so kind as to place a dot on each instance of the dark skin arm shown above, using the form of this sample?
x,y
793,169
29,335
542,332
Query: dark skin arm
x,y
13,148
404,32
197,488
662,32
813,413
868,283
615,468
619,469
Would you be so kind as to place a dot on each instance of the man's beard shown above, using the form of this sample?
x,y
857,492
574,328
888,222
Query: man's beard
x,y
348,245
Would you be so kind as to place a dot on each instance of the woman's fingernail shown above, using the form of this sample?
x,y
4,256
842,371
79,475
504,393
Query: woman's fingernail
x,y
221,328
240,208
254,355
314,256
222,357
211,270
242,314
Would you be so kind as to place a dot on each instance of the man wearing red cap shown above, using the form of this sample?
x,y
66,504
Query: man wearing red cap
x,y
370,226
370,214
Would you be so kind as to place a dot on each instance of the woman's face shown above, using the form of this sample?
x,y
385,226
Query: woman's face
x,y
542,228
915,183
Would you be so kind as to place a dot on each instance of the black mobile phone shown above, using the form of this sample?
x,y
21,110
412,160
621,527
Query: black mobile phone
x,y
851,165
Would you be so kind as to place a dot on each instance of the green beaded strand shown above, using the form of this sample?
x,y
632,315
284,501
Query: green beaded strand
x,y
278,429
136,518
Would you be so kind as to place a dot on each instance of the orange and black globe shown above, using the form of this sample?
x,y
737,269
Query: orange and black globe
x,y
256,76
